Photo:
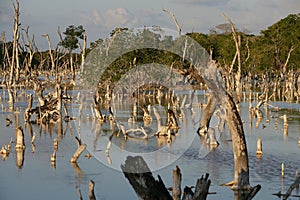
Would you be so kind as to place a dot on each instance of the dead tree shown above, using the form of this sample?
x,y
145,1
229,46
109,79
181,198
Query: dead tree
x,y
27,114
14,68
30,48
140,177
287,59
207,114
50,52
240,182
235,125
83,52
176,190
237,41
201,188
6,54
146,187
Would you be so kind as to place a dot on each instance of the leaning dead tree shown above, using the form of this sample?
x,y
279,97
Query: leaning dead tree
x,y
240,182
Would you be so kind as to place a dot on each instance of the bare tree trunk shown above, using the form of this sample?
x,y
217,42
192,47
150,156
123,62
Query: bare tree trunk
x,y
83,52
6,54
237,41
140,177
176,190
207,114
15,54
50,53
287,60
235,125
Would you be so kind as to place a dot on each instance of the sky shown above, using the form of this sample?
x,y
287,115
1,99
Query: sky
x,y
99,17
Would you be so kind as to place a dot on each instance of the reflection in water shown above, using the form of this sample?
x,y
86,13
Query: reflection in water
x,y
265,170
19,158
79,173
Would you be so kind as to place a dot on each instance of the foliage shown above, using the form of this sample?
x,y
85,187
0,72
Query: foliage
x,y
260,53
72,34
280,38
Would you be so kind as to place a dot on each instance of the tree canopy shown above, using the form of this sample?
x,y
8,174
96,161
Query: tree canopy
x,y
72,34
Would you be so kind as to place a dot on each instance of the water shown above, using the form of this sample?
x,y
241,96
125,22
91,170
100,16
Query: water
x,y
37,179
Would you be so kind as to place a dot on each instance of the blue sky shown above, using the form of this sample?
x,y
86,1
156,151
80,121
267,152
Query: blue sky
x,y
99,17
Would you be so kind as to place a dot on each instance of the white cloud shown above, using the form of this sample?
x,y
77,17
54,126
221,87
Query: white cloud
x,y
97,19
119,17
203,2
109,19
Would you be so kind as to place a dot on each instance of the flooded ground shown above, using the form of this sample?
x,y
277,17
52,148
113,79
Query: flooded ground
x,y
36,178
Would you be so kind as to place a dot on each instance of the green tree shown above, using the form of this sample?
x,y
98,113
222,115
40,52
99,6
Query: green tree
x,y
72,36
282,39
70,42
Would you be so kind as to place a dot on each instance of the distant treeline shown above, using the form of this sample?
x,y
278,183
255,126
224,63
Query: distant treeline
x,y
275,47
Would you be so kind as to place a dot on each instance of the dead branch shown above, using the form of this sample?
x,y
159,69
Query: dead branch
x,y
174,19
287,59
31,48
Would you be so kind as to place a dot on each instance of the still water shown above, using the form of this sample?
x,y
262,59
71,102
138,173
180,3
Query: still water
x,y
36,178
